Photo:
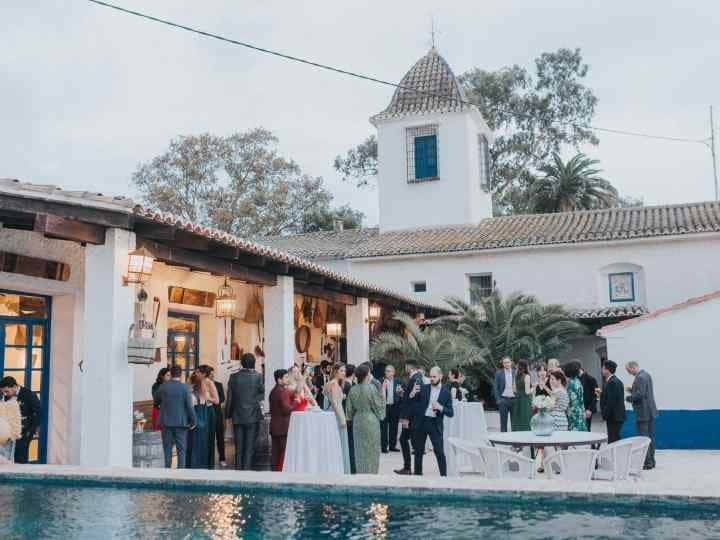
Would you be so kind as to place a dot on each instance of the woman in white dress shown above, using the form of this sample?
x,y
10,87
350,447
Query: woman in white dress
x,y
10,429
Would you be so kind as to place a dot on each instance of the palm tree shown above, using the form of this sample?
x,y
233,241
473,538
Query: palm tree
x,y
575,185
430,346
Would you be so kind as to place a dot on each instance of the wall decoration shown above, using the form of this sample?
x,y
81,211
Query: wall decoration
x,y
191,297
622,287
302,339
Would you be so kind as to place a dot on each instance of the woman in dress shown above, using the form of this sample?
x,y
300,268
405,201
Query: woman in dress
x,y
333,392
559,409
211,401
455,384
198,448
522,405
163,376
10,429
298,388
542,388
365,409
576,408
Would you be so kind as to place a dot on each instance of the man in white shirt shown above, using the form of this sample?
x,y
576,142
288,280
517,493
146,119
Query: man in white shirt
x,y
505,391
389,426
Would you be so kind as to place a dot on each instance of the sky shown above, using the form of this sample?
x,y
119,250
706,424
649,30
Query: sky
x,y
87,93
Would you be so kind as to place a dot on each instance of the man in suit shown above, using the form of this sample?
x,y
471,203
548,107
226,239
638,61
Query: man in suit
x,y
589,385
434,404
407,413
280,409
30,412
612,404
219,424
389,426
320,378
504,389
177,417
242,409
642,398
349,383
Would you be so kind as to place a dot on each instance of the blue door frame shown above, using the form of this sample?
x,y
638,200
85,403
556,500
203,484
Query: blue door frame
x,y
43,392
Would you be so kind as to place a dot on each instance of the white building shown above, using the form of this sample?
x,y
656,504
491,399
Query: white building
x,y
437,237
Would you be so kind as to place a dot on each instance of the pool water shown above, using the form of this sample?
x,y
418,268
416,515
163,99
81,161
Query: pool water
x,y
34,510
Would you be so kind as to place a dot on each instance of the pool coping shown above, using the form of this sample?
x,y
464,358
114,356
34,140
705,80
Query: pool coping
x,y
632,493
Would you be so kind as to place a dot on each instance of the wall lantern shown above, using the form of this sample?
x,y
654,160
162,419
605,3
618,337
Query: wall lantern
x,y
374,312
140,264
334,329
225,301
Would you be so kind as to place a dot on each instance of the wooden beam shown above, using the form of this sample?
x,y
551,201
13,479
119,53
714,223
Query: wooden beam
x,y
224,251
316,279
17,220
186,240
300,274
278,267
207,263
251,260
319,292
69,229
97,216
155,231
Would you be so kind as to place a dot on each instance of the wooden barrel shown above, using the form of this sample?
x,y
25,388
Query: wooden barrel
x,y
148,450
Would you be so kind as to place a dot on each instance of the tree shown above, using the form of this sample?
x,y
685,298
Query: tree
x,y
360,163
238,184
575,185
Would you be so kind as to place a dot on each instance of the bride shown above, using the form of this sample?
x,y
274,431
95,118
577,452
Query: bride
x,y
10,429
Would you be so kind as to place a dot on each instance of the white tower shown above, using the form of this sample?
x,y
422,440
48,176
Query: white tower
x,y
433,161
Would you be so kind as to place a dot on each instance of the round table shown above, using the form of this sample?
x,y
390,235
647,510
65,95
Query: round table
x,y
467,423
313,444
558,438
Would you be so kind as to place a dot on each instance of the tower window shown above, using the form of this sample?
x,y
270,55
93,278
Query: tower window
x,y
484,161
481,286
419,286
422,153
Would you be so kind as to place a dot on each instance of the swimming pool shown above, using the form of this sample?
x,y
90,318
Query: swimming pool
x,y
59,510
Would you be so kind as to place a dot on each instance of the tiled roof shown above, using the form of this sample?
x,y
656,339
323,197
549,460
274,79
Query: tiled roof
x,y
605,330
429,86
613,224
15,188
608,312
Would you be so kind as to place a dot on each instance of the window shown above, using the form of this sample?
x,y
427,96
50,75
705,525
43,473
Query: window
x,y
484,161
422,154
481,286
419,286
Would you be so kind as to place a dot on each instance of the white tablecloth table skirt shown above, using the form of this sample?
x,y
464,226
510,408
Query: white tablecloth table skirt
x,y
313,444
467,423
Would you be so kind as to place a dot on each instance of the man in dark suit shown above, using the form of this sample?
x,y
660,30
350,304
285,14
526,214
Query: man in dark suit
x,y
389,426
280,410
349,383
177,417
30,412
504,389
612,404
320,378
589,385
642,398
219,424
242,409
434,404
407,413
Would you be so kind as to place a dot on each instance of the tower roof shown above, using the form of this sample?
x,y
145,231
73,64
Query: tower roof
x,y
429,86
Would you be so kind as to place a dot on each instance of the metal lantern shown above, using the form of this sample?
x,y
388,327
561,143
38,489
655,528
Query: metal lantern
x,y
140,264
374,312
334,329
225,303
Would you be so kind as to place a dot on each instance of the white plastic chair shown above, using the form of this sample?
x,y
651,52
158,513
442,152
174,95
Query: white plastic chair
x,y
640,447
500,463
614,461
572,465
463,447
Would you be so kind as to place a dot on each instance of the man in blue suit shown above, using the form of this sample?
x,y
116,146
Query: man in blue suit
x,y
177,417
434,404
504,389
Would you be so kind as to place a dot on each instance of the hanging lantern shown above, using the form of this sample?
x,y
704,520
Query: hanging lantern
x,y
140,264
225,301
180,343
374,312
334,329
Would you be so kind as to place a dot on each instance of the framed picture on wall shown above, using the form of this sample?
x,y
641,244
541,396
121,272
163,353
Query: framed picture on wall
x,y
622,287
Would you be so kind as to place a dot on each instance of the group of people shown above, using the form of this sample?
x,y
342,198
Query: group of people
x,y
574,397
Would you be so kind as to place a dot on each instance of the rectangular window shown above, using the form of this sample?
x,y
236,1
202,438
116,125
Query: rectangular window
x,y
422,154
481,286
484,161
419,286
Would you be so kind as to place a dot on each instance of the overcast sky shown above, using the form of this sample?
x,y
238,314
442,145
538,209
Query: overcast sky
x,y
87,92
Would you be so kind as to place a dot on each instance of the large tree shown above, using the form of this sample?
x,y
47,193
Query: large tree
x,y
239,184
532,115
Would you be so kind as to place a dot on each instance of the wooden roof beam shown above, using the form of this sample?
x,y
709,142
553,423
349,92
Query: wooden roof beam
x,y
69,229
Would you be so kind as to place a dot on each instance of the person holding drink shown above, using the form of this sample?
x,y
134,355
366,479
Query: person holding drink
x,y
389,426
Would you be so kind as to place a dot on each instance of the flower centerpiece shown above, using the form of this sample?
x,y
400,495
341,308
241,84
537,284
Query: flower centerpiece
x,y
139,421
542,424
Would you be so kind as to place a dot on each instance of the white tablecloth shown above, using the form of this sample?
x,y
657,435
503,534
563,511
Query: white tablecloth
x,y
313,444
467,423
558,438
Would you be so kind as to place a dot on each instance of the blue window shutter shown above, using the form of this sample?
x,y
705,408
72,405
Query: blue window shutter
x,y
426,157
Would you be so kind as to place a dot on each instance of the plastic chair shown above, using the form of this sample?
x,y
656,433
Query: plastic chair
x,y
500,463
640,447
463,447
572,465
614,461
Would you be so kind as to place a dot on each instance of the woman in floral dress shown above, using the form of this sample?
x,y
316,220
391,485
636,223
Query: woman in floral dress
x,y
558,411
365,409
576,409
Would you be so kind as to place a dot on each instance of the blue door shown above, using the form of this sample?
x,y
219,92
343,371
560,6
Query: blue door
x,y
24,353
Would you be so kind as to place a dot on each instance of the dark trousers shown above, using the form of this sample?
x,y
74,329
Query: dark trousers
x,y
245,436
505,406
613,431
220,432
389,428
429,428
588,422
22,446
277,451
646,429
177,436
351,447
405,439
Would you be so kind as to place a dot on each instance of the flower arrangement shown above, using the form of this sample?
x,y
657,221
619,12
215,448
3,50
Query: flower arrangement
x,y
11,420
542,403
139,417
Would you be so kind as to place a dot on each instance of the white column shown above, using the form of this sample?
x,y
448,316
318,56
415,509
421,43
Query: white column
x,y
278,304
107,381
358,332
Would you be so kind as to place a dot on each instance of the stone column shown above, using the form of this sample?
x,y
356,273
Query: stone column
x,y
358,332
106,381
278,304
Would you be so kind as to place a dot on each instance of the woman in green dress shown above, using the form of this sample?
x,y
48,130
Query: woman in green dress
x,y
365,409
522,406
576,409
333,391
